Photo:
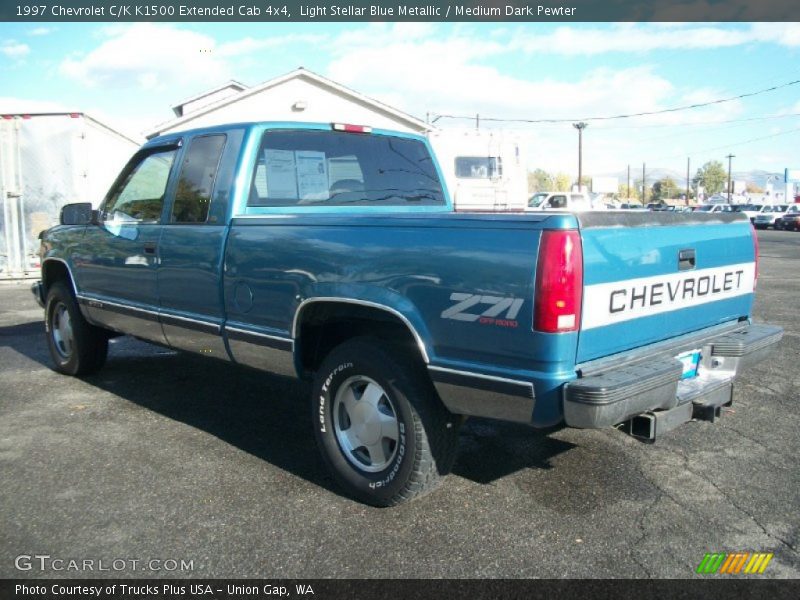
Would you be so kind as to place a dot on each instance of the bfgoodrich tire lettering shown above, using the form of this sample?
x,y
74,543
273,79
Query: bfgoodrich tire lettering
x,y
76,346
379,424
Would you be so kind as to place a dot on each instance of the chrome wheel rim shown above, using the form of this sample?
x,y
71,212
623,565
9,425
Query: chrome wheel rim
x,y
61,328
365,423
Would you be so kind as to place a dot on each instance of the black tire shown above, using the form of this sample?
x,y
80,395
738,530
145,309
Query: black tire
x,y
77,348
426,432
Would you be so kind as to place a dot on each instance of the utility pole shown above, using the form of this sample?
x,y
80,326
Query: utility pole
x,y
644,186
629,182
729,157
477,121
688,168
580,127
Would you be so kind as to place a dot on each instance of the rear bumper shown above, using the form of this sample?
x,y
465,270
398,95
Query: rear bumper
x,y
653,383
37,291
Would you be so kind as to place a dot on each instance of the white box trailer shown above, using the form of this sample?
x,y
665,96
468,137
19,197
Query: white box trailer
x,y
605,185
484,170
48,160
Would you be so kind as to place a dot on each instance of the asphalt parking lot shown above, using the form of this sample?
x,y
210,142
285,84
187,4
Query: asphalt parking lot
x,y
165,456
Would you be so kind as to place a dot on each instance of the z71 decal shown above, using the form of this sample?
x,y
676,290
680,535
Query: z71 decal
x,y
501,312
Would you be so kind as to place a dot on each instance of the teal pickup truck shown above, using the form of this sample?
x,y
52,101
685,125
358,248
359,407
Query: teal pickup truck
x,y
331,252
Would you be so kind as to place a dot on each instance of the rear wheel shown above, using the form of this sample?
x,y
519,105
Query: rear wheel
x,y
76,346
382,430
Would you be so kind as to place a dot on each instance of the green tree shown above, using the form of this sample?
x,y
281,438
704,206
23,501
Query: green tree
x,y
664,189
562,182
752,188
623,191
711,176
539,181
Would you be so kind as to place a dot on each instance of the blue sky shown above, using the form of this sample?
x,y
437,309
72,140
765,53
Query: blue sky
x,y
130,74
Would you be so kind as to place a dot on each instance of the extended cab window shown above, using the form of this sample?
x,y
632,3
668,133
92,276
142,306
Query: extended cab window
x,y
478,167
330,168
196,181
140,195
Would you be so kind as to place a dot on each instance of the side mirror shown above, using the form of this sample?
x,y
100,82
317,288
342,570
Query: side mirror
x,y
78,213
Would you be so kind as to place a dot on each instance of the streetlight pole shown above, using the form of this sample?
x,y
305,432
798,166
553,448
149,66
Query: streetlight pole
x,y
688,168
730,157
629,183
644,186
580,127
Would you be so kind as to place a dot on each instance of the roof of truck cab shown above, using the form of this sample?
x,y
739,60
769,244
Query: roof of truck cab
x,y
169,137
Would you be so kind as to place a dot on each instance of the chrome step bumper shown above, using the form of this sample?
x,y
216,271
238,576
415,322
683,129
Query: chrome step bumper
x,y
626,391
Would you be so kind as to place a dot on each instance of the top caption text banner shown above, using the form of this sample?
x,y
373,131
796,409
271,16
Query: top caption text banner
x,y
383,10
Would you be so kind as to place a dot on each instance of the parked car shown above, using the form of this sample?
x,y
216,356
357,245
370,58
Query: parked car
x,y
714,208
331,253
767,217
751,210
790,220
566,201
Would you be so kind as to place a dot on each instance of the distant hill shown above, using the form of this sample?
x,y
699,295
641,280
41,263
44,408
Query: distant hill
x,y
756,177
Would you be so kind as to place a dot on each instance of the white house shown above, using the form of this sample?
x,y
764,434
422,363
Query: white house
x,y
301,95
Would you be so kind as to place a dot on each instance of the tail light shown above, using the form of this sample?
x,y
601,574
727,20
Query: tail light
x,y
559,282
755,253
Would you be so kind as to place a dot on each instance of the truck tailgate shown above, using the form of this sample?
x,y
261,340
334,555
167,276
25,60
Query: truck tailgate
x,y
649,277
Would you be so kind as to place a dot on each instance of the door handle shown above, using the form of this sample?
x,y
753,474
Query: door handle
x,y
149,247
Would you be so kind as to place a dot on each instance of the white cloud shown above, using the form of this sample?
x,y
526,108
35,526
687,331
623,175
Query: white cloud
x,y
450,75
249,45
462,74
572,41
14,49
630,37
785,34
39,31
149,57
18,106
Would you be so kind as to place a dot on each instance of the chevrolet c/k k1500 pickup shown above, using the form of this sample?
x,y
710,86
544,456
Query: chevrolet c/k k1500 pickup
x,y
331,252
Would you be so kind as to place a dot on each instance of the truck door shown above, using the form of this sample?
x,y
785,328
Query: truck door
x,y
117,259
191,249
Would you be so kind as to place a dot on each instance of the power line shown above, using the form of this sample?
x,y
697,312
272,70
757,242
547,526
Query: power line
x,y
630,115
726,146
707,128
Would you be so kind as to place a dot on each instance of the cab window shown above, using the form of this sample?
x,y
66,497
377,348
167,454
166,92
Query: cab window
x,y
196,181
329,168
139,197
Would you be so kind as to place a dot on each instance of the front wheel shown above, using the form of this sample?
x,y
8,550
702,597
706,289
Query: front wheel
x,y
382,430
76,346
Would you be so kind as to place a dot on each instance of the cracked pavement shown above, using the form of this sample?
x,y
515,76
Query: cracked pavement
x,y
170,456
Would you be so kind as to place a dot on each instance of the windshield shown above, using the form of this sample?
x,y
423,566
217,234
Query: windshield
x,y
537,199
705,208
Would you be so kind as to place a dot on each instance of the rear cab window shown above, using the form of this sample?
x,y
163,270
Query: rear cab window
x,y
197,176
307,168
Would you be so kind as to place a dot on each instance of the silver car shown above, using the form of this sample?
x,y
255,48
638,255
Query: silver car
x,y
767,217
